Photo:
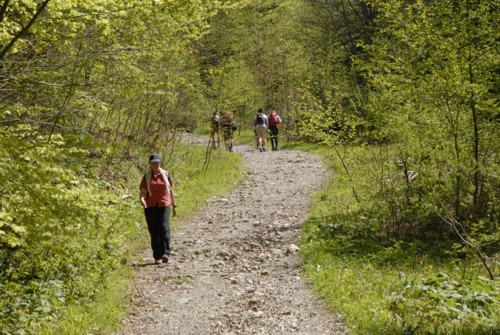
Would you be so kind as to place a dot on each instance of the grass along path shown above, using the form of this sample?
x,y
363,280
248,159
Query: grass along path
x,y
235,266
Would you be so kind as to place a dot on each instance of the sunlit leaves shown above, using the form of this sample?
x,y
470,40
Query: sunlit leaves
x,y
57,226
86,80
439,304
430,75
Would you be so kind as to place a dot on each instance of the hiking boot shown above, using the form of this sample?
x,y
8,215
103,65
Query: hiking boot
x,y
260,149
157,261
164,259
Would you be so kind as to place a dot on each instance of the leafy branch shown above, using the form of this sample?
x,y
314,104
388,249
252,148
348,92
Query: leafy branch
x,y
452,222
24,30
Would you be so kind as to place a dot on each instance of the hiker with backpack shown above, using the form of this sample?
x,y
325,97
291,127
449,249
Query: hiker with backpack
x,y
157,198
260,126
228,126
274,126
215,129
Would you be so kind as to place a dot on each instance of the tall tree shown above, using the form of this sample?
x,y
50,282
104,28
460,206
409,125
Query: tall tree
x,y
252,49
333,32
81,84
433,73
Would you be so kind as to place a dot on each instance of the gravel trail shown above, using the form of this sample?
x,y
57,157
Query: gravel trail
x,y
234,267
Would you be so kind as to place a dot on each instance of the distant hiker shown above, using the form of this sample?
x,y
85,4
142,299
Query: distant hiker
x,y
228,127
215,129
274,126
156,198
260,126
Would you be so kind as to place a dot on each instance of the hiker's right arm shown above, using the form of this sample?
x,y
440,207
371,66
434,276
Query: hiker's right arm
x,y
142,196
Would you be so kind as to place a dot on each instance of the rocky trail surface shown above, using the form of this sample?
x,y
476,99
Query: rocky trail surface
x,y
234,267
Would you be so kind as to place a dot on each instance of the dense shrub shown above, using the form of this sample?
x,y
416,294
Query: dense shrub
x,y
61,228
438,304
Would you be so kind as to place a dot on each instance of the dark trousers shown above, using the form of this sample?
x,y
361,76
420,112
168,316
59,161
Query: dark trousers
x,y
274,136
158,219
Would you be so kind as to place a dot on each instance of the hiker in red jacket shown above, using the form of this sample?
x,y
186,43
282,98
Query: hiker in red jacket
x,y
274,126
156,198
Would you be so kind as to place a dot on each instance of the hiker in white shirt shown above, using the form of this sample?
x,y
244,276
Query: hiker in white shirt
x,y
261,126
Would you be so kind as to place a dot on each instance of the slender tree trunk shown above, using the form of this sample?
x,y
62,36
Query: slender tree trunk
x,y
477,176
348,173
24,30
3,10
472,106
458,178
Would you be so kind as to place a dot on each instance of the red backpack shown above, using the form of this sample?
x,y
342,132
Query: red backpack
x,y
273,120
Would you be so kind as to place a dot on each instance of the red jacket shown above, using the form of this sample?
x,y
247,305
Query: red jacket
x,y
159,191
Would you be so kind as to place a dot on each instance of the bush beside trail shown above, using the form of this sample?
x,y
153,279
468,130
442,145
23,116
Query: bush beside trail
x,y
414,281
70,230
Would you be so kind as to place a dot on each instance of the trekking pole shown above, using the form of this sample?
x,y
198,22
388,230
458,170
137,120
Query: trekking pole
x,y
208,155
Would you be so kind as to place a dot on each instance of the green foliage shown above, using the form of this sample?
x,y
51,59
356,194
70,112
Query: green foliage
x,y
438,304
430,73
420,78
330,96
68,236
101,315
415,283
251,59
89,89
327,121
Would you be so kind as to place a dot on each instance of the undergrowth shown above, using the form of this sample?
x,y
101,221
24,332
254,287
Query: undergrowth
x,y
76,279
389,284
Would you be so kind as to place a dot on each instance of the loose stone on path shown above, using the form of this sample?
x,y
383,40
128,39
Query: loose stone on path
x,y
235,267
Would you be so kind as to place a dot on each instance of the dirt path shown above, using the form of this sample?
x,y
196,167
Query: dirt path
x,y
234,267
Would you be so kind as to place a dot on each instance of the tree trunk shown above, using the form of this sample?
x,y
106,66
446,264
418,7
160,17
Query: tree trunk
x,y
25,29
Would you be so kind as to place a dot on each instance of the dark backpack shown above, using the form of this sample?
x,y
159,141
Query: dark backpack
x,y
215,120
259,120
